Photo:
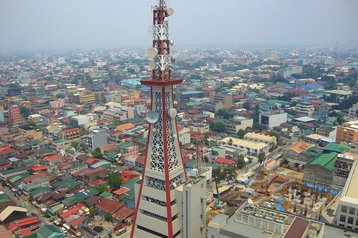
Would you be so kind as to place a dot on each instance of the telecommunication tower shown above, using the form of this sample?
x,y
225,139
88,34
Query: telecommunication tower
x,y
157,208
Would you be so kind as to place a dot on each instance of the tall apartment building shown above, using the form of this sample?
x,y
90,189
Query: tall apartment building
x,y
87,98
305,108
347,132
96,139
225,99
14,114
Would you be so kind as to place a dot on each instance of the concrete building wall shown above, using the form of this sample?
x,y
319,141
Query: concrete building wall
x,y
273,120
317,175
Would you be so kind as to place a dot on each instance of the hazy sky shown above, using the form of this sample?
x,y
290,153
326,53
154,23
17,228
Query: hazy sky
x,y
52,24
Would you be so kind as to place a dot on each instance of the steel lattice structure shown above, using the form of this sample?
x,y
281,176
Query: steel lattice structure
x,y
157,211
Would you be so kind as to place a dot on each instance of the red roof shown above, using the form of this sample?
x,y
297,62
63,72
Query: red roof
x,y
221,160
140,160
53,157
25,232
13,226
240,96
194,111
207,89
71,130
71,211
35,176
121,191
297,91
96,182
6,150
39,168
93,171
108,205
114,132
123,213
91,160
77,221
80,171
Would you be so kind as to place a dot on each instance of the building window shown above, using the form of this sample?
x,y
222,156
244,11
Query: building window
x,y
342,218
352,210
350,220
344,209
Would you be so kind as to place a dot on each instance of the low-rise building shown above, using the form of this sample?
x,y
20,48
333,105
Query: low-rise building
x,y
238,123
251,148
271,140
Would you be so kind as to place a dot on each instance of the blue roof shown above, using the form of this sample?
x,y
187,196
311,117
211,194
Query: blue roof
x,y
280,208
190,92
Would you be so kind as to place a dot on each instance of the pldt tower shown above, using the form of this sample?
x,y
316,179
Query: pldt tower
x,y
168,204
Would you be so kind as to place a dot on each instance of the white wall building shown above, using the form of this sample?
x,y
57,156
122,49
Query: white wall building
x,y
271,119
347,211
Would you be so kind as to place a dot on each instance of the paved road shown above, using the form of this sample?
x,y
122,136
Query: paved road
x,y
22,202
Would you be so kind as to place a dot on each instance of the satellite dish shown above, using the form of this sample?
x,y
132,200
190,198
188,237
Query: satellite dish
x,y
152,65
152,52
172,112
171,42
166,19
170,11
152,117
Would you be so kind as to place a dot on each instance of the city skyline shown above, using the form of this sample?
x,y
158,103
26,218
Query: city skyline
x,y
38,24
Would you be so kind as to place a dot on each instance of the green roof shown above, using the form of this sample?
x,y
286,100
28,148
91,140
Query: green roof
x,y
50,231
130,185
38,190
67,183
18,177
326,160
12,171
124,146
105,194
4,198
335,147
79,197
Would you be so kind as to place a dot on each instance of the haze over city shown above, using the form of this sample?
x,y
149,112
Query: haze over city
x,y
178,118
62,24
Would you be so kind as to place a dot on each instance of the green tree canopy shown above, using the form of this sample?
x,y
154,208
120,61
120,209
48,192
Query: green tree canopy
x,y
218,126
114,180
261,156
97,153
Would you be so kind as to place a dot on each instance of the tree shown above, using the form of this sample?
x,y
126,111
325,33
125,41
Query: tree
x,y
241,161
100,188
218,126
97,153
261,156
241,133
114,180
25,112
230,174
230,141
75,144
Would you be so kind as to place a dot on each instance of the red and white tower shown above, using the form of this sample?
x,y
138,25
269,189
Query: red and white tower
x,y
157,209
